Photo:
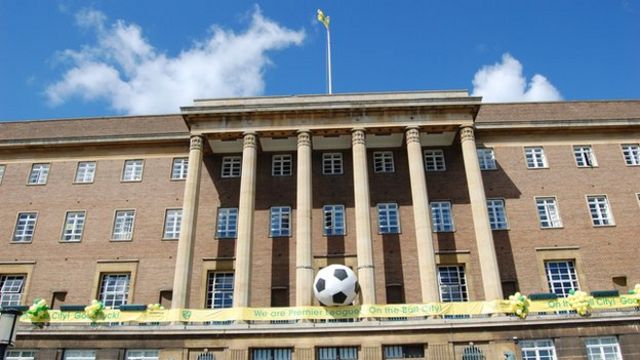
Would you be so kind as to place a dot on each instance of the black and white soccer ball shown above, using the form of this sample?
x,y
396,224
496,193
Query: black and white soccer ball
x,y
336,285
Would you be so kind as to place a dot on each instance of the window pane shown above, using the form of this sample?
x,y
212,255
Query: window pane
x,y
538,350
281,165
334,220
441,217
132,170
599,210
25,227
172,223
535,157
631,153
227,223
220,290
142,355
85,172
332,163
123,225
73,226
231,166
562,277
11,287
584,156
497,214
453,283
280,221
548,213
434,160
79,355
179,169
39,174
383,162
388,218
114,289
21,355
486,158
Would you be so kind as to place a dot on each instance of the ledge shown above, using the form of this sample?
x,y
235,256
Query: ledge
x,y
18,262
111,261
551,248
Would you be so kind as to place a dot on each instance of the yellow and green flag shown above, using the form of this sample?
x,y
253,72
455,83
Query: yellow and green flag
x,y
323,19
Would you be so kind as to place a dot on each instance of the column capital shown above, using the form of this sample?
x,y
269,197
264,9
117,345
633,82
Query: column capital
x,y
467,133
357,136
304,137
196,142
412,134
249,139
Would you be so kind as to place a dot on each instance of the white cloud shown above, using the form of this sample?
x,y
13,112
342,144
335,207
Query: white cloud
x,y
504,82
125,70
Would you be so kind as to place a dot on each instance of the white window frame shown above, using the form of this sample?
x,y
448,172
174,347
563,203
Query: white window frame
x,y
132,170
231,167
601,348
459,290
600,210
25,227
440,212
220,289
142,354
585,156
537,346
549,206
73,229
114,289
39,174
179,168
434,160
332,164
337,352
85,172
561,282
123,225
334,219
487,159
227,223
172,224
631,154
79,354
11,289
399,352
535,158
281,165
388,218
21,354
497,209
280,221
383,162
3,170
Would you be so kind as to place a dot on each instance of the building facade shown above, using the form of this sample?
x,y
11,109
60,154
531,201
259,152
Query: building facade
x,y
236,203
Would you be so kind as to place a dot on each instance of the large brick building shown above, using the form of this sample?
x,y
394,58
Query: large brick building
x,y
428,196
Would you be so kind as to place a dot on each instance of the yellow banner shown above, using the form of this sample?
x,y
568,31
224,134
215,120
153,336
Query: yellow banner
x,y
327,313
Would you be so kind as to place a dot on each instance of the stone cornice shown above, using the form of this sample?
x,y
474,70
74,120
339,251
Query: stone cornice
x,y
556,124
95,140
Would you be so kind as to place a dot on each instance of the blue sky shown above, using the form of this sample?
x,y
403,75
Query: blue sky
x,y
72,58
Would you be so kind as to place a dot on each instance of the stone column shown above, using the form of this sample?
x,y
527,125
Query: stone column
x,y
422,218
304,256
484,237
366,275
182,275
246,207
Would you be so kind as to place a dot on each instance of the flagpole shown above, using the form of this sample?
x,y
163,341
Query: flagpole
x,y
329,58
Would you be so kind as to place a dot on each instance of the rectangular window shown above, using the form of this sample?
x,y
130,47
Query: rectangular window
x,y
271,354
603,348
86,172
334,223
332,163
21,355
631,154
281,165
584,156
453,283
441,216
73,226
538,350
142,355
11,287
39,174
548,212
383,162
25,227
219,290
497,214
599,210
132,170
403,352
280,221
172,220
79,355
231,166
535,157
388,218
114,289
338,353
2,170
123,225
179,168
562,277
227,223
487,159
434,160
